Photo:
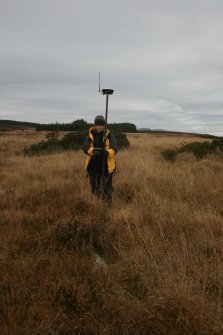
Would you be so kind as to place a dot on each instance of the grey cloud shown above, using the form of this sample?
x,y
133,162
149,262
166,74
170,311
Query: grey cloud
x,y
162,58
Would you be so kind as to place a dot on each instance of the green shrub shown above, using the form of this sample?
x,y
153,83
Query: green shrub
x,y
169,154
199,149
43,147
121,138
73,140
219,143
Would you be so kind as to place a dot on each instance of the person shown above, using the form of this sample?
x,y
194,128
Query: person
x,y
100,149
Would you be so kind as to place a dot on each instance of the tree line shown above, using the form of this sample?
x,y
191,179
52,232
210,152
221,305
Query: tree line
x,y
80,125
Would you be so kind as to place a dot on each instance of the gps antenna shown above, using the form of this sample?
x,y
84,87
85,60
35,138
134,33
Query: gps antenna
x,y
100,83
107,92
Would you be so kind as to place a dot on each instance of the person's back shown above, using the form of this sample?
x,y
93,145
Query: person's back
x,y
99,151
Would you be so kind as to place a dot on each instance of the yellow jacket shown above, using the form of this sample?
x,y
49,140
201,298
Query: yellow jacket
x,y
110,140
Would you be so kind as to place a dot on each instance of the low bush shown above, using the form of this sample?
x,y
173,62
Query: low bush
x,y
219,143
199,149
122,139
43,147
169,154
73,140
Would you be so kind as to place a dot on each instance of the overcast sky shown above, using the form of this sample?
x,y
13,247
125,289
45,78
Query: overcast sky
x,y
163,58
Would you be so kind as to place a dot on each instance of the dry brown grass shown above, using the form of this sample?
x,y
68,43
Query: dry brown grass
x,y
162,242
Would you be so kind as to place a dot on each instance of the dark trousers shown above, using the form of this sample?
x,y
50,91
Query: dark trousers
x,y
101,187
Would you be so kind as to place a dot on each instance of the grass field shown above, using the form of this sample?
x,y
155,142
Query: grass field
x,y
162,242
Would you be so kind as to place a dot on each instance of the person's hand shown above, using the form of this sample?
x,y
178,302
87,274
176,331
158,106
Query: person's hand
x,y
97,152
106,153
